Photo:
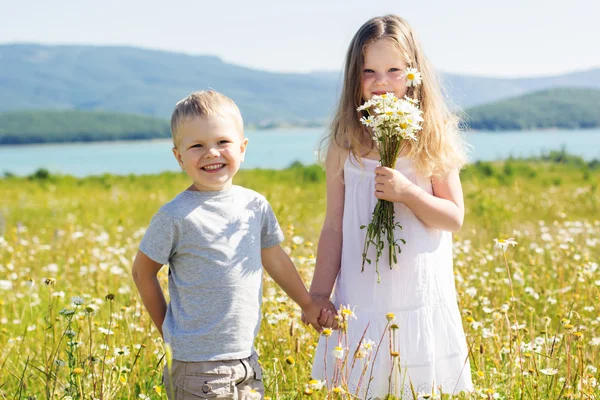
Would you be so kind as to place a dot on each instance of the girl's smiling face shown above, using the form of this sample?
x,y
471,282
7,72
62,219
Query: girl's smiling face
x,y
383,70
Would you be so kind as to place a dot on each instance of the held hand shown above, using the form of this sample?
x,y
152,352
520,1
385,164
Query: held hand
x,y
327,312
311,314
390,184
327,319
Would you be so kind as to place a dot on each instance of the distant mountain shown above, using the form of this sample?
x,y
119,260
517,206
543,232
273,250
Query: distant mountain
x,y
28,127
149,82
552,108
468,91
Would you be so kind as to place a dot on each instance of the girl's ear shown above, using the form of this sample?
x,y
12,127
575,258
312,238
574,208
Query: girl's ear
x,y
177,155
243,145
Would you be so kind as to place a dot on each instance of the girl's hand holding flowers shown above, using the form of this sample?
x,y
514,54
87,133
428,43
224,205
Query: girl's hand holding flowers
x,y
390,184
391,121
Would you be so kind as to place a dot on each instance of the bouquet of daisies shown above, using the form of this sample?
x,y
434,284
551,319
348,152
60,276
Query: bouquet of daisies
x,y
391,121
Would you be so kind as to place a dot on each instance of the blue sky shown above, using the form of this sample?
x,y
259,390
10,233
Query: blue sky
x,y
474,37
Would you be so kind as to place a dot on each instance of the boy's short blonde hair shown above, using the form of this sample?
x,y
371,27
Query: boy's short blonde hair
x,y
204,104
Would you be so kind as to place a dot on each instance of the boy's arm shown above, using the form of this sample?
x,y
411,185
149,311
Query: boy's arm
x,y
144,273
279,266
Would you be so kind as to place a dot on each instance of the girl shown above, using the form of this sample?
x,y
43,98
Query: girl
x,y
428,203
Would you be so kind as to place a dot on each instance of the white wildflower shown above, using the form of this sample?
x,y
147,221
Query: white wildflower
x,y
549,371
504,243
413,77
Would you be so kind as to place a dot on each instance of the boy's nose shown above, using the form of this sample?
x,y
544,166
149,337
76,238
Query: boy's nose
x,y
212,152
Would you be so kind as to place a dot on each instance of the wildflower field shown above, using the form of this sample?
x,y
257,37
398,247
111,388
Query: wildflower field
x,y
72,325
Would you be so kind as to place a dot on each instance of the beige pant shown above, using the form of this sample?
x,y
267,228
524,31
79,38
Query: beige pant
x,y
230,379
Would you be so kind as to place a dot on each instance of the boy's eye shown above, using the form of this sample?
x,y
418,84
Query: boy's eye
x,y
224,141
196,145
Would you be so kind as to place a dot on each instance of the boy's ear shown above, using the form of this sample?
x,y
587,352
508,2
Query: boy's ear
x,y
243,149
178,157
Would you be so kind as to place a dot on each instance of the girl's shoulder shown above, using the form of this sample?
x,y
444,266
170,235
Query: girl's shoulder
x,y
336,155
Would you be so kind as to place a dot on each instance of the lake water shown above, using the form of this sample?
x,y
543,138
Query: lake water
x,y
274,149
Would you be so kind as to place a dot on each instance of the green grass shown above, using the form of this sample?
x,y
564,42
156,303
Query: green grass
x,y
84,232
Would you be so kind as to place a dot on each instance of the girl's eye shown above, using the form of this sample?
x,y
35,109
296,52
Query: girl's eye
x,y
394,70
368,71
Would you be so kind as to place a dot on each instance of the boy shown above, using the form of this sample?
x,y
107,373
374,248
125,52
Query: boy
x,y
216,237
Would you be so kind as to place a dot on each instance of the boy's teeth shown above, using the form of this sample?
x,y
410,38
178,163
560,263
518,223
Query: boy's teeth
x,y
212,167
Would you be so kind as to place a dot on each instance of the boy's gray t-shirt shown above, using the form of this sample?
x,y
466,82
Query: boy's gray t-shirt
x,y
212,242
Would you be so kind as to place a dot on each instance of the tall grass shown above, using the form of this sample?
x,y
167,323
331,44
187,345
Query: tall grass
x,y
72,324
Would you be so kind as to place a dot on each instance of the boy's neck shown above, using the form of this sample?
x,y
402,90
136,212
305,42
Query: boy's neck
x,y
193,188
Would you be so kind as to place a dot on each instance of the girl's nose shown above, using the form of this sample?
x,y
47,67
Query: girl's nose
x,y
380,79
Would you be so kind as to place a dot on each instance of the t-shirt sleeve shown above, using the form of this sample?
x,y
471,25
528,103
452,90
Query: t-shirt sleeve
x,y
271,234
158,242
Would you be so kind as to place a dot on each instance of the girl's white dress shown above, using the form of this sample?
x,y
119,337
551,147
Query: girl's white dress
x,y
419,291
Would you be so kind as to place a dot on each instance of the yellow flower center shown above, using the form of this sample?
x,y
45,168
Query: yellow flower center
x,y
410,77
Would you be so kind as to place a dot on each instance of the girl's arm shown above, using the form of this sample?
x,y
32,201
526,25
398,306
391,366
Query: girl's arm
x,y
144,273
445,209
329,250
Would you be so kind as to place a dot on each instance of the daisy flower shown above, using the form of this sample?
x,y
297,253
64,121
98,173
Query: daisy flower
x,y
347,312
77,300
549,371
413,77
367,345
504,243
315,384
338,352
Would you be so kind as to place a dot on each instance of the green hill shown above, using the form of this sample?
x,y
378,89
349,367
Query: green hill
x,y
149,82
555,108
140,81
28,127
565,108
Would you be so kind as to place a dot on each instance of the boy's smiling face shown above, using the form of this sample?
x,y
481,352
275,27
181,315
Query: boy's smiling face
x,y
210,151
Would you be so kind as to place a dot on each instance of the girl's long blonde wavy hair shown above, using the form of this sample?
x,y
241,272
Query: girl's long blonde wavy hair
x,y
440,147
